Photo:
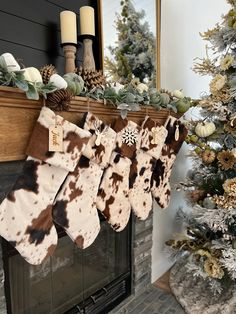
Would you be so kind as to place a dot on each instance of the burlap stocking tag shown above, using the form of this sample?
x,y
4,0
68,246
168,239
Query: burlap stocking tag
x,y
153,137
25,214
75,206
161,189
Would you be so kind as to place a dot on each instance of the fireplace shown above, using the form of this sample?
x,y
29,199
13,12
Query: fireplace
x,y
113,269
72,277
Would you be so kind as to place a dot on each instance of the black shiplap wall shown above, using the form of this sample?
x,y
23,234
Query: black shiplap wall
x,y
30,30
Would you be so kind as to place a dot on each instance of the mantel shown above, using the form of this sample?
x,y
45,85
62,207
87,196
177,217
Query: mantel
x,y
18,115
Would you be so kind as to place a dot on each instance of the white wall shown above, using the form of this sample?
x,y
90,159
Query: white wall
x,y
181,22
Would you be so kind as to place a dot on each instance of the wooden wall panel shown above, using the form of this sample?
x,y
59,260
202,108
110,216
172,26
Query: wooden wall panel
x,y
41,13
72,5
33,57
30,30
28,33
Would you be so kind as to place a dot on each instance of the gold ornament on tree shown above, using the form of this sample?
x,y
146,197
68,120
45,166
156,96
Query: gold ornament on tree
x,y
208,156
213,268
196,195
226,159
230,186
230,127
222,95
225,201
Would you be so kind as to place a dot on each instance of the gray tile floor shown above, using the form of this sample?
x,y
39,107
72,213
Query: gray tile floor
x,y
152,301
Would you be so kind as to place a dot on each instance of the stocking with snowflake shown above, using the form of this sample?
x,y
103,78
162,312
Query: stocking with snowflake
x,y
112,199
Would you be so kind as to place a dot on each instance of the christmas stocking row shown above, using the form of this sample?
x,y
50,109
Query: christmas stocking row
x,y
113,169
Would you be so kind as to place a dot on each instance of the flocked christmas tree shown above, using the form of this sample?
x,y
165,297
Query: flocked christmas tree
x,y
210,231
134,53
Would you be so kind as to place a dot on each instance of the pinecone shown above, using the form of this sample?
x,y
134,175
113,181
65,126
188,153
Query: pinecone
x,y
92,78
59,100
46,72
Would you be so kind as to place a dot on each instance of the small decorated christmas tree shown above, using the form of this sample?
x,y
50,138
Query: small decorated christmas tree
x,y
134,54
209,235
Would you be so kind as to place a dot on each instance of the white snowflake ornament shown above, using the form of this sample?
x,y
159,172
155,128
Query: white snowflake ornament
x,y
130,136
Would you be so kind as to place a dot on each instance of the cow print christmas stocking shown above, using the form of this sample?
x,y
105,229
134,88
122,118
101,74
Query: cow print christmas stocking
x,y
161,189
75,207
112,198
152,140
25,214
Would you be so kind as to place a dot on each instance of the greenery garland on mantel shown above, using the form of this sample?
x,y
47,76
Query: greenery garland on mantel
x,y
58,90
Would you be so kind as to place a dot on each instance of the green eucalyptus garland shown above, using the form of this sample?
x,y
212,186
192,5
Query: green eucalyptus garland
x,y
126,98
16,79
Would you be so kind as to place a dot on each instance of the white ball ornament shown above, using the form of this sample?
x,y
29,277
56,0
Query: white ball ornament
x,y
58,81
12,64
32,75
178,94
142,88
117,86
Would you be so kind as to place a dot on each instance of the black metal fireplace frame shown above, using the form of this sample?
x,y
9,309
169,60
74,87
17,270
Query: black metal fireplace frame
x,y
111,295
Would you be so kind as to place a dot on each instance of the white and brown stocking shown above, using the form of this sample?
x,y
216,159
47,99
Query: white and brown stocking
x,y
112,199
26,213
153,137
161,189
75,206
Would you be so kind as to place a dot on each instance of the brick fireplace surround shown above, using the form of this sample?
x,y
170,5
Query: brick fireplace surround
x,y
141,242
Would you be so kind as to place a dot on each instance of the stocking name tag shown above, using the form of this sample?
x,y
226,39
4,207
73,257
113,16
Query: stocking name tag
x,y
55,138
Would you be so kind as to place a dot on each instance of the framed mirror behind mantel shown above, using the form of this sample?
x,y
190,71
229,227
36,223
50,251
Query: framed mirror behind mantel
x,y
130,31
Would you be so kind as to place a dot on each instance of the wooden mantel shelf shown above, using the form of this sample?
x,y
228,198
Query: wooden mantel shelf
x,y
18,115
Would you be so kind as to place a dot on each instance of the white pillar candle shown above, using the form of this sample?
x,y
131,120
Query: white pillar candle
x,y
87,26
68,27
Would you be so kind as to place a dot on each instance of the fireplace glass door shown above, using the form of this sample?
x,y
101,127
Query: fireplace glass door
x,y
69,278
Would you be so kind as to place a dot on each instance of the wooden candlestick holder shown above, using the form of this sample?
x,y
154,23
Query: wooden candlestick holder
x,y
69,52
88,58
